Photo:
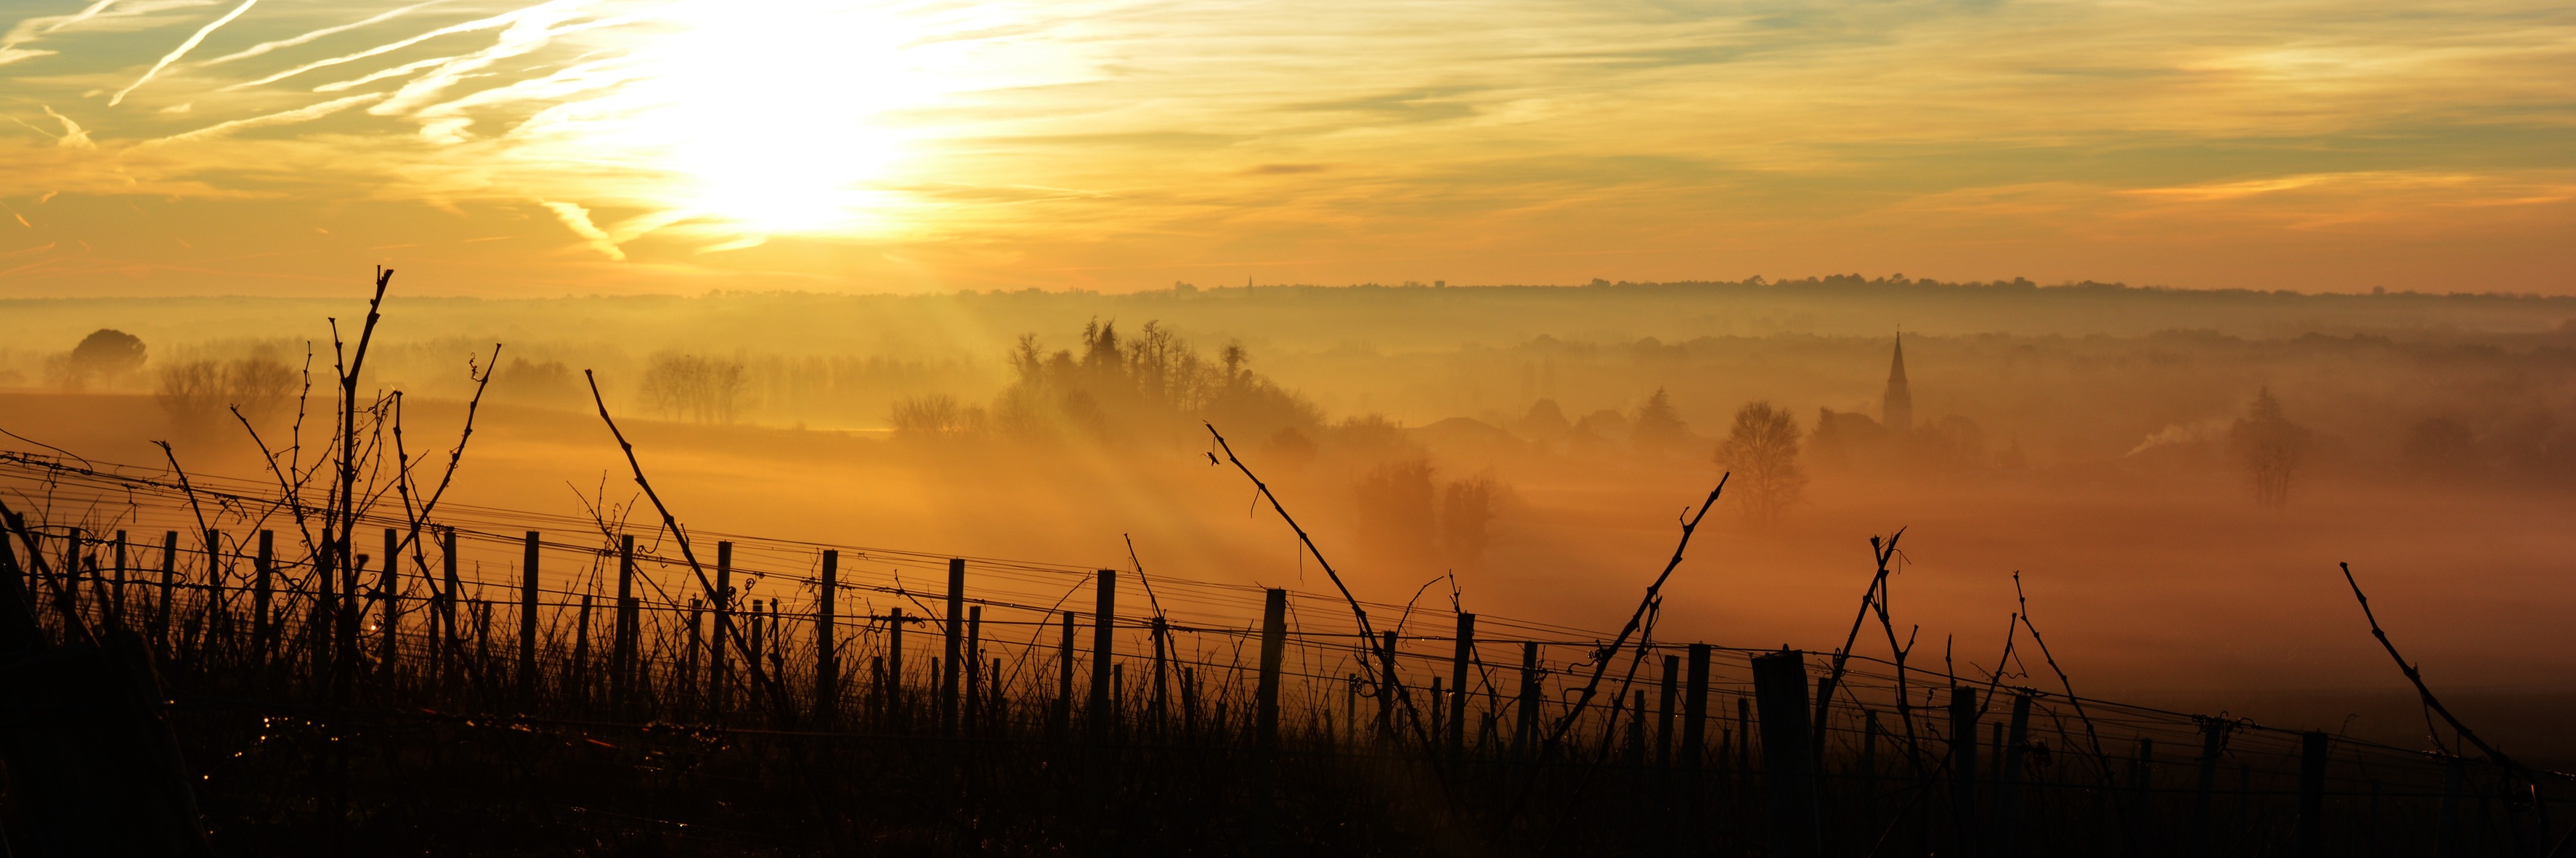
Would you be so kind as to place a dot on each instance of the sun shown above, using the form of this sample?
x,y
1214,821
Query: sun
x,y
772,117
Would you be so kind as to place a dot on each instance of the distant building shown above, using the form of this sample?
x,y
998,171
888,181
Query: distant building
x,y
1896,412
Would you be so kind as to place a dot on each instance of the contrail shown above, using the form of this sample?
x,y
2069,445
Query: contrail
x,y
290,117
467,27
74,136
183,49
381,74
577,219
265,47
83,15
28,29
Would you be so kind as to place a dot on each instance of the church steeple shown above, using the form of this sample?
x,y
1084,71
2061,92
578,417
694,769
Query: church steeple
x,y
1897,410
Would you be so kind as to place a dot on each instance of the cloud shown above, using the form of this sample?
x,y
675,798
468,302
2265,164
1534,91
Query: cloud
x,y
500,20
74,136
265,47
182,50
577,219
306,113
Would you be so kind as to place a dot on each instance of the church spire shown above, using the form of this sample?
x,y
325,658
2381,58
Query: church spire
x,y
1897,410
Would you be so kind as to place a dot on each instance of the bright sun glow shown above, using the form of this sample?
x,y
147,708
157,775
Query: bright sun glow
x,y
765,118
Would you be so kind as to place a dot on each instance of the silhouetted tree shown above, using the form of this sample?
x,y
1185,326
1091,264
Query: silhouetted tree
x,y
106,355
199,394
936,415
1394,501
693,387
1762,453
1659,427
1466,510
2270,448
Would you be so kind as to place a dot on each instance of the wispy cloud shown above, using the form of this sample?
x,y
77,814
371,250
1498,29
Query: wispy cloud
x,y
307,113
326,32
577,219
182,50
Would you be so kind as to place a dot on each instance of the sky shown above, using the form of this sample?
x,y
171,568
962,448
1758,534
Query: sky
x,y
282,147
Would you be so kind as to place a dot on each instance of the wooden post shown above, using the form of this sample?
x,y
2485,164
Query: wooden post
x,y
1103,612
1389,687
720,657
581,654
953,635
1063,720
2213,741
387,582
1664,714
2308,841
1525,732
1695,709
452,592
169,582
1459,660
827,657
623,634
2008,791
322,626
1963,764
528,624
263,627
894,667
1274,650
688,684
67,599
1155,708
118,602
1780,689
974,657
1265,713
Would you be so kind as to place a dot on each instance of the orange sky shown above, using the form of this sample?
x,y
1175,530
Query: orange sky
x,y
581,146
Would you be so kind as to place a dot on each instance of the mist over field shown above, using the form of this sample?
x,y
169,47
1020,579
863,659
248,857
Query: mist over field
x,y
1537,443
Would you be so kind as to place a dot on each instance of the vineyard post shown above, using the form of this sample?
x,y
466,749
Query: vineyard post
x,y
262,627
169,581
387,581
622,646
718,672
449,595
894,668
1664,713
1780,689
68,595
1963,762
1155,705
1103,612
974,658
827,667
528,624
951,636
1062,720
1265,714
1695,711
119,600
2213,740
2308,839
1525,733
2008,788
1459,659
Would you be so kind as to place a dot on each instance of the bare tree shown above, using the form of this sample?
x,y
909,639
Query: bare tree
x,y
2270,448
1762,451
935,415
694,387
